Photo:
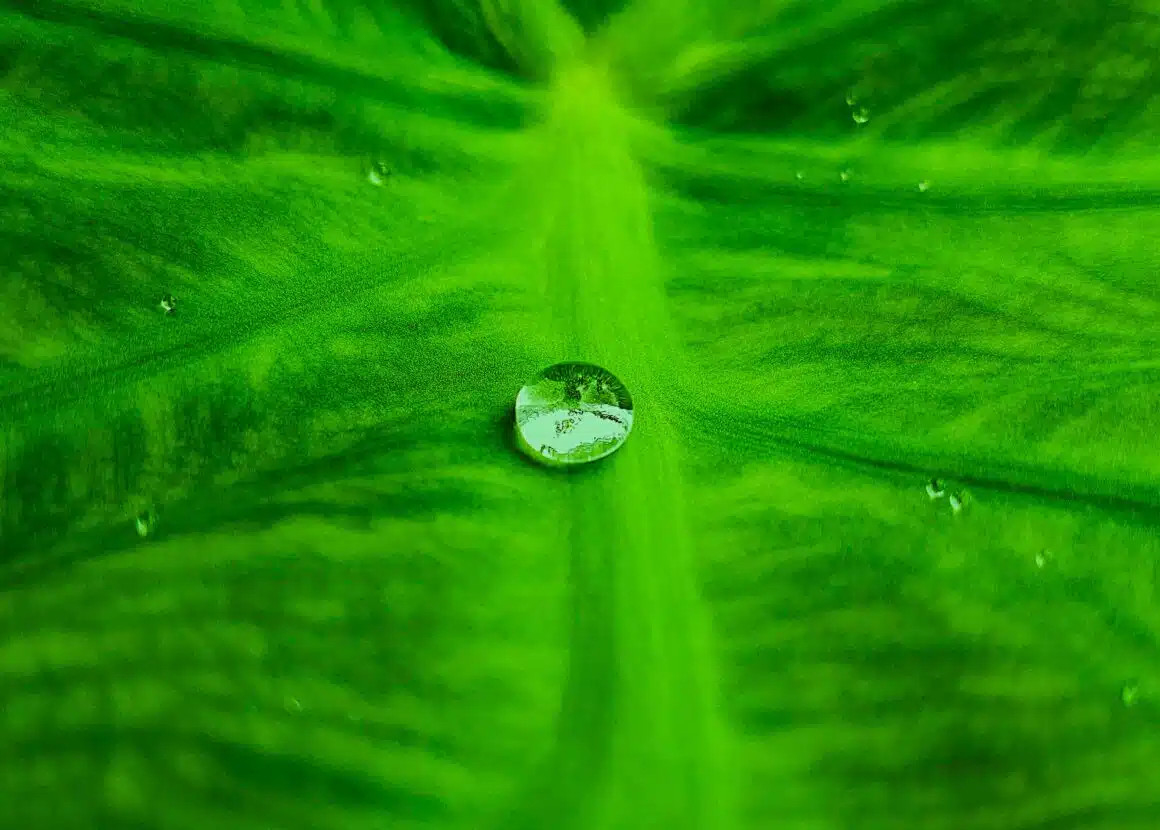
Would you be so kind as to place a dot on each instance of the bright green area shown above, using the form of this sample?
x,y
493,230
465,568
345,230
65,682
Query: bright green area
x,y
358,605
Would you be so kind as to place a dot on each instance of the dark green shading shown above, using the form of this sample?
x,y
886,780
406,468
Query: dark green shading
x,y
38,507
264,771
168,39
740,189
206,326
900,52
593,14
955,748
831,439
462,28
212,421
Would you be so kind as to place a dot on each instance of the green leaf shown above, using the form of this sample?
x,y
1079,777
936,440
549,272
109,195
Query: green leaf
x,y
272,274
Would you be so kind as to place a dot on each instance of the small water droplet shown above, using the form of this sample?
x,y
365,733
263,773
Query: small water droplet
x,y
1130,694
845,174
923,186
293,704
935,489
860,115
799,175
378,173
144,523
572,413
851,98
168,304
1042,558
957,501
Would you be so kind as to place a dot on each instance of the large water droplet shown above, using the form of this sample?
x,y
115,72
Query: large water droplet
x,y
572,413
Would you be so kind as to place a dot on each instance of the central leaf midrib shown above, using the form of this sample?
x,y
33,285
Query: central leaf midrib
x,y
650,746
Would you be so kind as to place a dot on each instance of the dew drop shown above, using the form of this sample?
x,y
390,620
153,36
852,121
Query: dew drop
x,y
572,413
851,98
957,501
168,304
860,115
935,489
800,176
845,174
923,186
144,524
378,173
1130,693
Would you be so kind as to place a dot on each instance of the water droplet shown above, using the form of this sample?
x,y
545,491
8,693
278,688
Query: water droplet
x,y
144,523
168,304
1130,694
851,98
799,175
934,489
293,704
378,173
572,413
923,186
860,115
1042,558
845,174
958,501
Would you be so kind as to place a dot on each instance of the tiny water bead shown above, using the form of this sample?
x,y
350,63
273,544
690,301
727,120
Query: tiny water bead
x,y
144,523
860,115
935,489
378,173
572,413
168,304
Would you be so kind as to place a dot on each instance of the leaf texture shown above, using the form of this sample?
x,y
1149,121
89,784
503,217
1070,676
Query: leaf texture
x,y
269,557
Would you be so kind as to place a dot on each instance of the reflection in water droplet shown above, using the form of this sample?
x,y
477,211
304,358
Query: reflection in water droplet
x,y
860,115
572,413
